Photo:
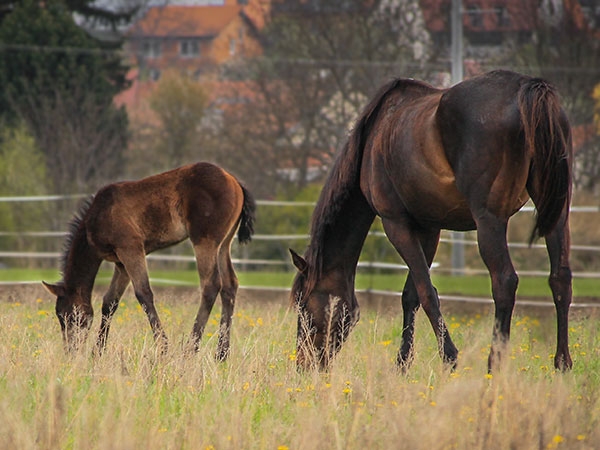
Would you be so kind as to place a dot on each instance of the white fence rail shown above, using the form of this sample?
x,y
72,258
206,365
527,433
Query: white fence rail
x,y
7,253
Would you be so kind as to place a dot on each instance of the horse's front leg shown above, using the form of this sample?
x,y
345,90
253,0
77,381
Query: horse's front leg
x,y
558,245
493,248
110,303
134,261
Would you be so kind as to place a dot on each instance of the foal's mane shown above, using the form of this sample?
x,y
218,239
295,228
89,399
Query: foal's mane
x,y
74,226
343,179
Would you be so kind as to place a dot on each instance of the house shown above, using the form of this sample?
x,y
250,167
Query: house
x,y
486,23
194,39
494,23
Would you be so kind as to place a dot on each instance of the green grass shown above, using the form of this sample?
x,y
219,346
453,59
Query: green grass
x,y
131,398
468,285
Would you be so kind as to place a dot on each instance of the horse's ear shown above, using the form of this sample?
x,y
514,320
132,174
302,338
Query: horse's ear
x,y
56,289
299,261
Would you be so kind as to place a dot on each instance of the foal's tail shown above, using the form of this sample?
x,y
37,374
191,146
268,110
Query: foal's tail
x,y
547,134
247,217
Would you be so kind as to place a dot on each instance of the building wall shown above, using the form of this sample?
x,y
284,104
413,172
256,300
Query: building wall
x,y
236,40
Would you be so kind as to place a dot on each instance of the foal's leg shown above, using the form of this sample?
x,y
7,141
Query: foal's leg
x,y
134,261
206,252
110,302
493,248
558,244
229,287
410,303
407,243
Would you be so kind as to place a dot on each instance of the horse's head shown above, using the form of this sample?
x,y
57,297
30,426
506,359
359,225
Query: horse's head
x,y
74,314
327,311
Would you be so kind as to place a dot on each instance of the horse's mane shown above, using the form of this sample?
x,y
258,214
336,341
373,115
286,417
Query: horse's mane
x,y
343,179
74,227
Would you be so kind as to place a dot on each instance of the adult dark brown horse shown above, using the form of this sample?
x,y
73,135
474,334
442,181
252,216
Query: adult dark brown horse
x,y
126,221
425,159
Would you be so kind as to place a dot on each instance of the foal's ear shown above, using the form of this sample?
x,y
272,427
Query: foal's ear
x,y
299,261
56,289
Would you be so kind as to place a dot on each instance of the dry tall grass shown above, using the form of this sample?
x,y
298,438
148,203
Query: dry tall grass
x,y
131,399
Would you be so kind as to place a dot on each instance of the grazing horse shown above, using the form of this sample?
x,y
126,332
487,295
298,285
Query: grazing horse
x,y
426,159
125,221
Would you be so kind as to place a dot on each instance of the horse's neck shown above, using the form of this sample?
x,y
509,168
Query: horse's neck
x,y
344,239
81,263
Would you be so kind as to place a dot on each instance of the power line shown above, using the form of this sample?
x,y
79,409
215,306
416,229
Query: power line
x,y
53,49
442,64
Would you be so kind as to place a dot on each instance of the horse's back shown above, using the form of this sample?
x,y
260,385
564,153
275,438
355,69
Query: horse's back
x,y
164,209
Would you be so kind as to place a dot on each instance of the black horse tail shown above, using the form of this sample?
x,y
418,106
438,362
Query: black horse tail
x,y
547,135
247,217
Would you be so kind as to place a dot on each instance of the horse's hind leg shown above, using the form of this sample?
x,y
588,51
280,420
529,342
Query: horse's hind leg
x,y
206,253
407,243
410,303
557,243
229,287
493,248
110,302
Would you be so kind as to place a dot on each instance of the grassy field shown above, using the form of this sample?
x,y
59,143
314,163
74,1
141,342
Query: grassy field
x,y
471,285
130,398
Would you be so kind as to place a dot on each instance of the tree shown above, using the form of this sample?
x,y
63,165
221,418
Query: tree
x,y
22,172
322,61
90,10
596,97
60,82
179,102
566,51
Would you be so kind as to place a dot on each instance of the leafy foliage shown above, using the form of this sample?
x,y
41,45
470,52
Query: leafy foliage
x,y
46,52
567,53
61,83
322,61
22,172
179,103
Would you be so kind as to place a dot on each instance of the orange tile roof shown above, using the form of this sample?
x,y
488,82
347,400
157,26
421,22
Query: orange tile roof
x,y
184,21
257,12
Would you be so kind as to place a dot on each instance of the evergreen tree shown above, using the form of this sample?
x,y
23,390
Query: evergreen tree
x,y
61,82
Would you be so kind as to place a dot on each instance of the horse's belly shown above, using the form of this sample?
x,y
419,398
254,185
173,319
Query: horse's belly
x,y
438,207
431,201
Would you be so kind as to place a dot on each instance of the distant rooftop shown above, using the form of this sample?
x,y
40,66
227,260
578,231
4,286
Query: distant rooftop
x,y
181,21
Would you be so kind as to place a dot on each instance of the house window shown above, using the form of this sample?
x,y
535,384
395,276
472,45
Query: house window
x,y
474,16
189,48
151,49
503,17
232,45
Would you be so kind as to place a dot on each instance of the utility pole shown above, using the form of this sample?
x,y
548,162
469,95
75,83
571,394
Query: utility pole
x,y
456,24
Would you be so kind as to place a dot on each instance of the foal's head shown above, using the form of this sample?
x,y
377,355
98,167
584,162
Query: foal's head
x,y
74,314
327,311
